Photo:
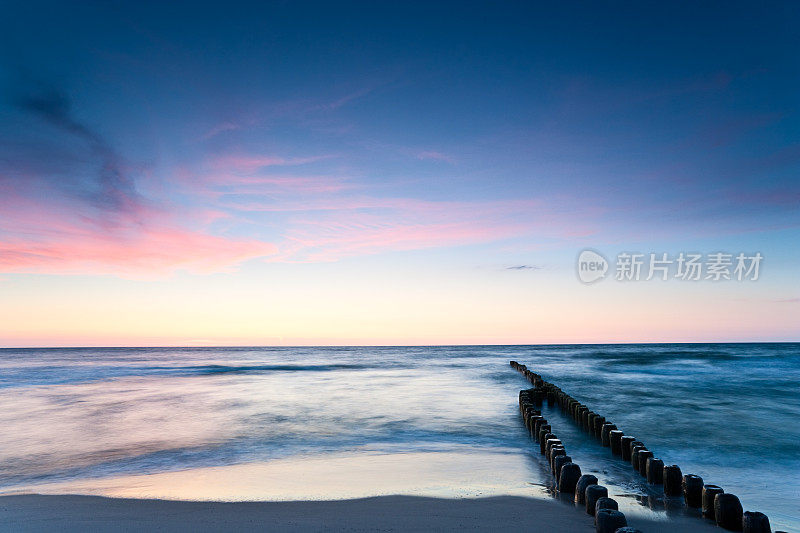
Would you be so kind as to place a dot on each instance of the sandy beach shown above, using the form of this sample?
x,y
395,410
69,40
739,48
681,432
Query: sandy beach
x,y
32,513
399,266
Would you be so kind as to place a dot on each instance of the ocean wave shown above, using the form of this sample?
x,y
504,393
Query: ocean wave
x,y
62,375
239,369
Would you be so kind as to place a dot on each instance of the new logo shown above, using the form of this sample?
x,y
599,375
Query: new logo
x,y
591,266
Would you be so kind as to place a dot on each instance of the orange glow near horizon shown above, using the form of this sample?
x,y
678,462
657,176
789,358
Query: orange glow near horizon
x,y
471,307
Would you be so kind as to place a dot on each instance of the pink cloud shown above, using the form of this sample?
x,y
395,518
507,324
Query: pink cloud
x,y
332,242
154,251
214,181
314,217
372,226
249,163
54,236
284,183
244,174
352,202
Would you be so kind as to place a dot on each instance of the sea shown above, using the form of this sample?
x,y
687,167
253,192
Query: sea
x,y
289,423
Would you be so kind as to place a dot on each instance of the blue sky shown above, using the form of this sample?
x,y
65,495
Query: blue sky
x,y
194,145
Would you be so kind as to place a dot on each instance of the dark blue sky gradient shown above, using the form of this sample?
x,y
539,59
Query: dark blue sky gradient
x,y
673,120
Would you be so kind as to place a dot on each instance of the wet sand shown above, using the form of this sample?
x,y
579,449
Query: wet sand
x,y
34,513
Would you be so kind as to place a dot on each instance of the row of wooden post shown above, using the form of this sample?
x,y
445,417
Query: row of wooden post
x,y
714,502
568,476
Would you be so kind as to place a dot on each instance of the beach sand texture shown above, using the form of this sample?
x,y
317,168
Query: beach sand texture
x,y
38,513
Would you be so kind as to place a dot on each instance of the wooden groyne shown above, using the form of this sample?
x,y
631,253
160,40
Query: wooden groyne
x,y
724,508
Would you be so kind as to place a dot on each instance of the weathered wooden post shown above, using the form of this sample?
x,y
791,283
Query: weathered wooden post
x,y
709,493
584,482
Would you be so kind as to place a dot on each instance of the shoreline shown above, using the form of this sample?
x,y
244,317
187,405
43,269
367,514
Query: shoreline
x,y
74,513
240,428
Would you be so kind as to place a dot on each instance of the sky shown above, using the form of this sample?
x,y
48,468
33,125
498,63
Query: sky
x,y
286,173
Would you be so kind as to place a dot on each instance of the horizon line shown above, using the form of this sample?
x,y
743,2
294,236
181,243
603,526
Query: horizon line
x,y
386,345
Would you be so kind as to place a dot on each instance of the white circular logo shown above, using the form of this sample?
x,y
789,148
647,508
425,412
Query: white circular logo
x,y
591,266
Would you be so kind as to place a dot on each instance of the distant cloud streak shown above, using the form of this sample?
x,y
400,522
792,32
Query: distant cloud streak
x,y
436,156
250,163
371,226
524,267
